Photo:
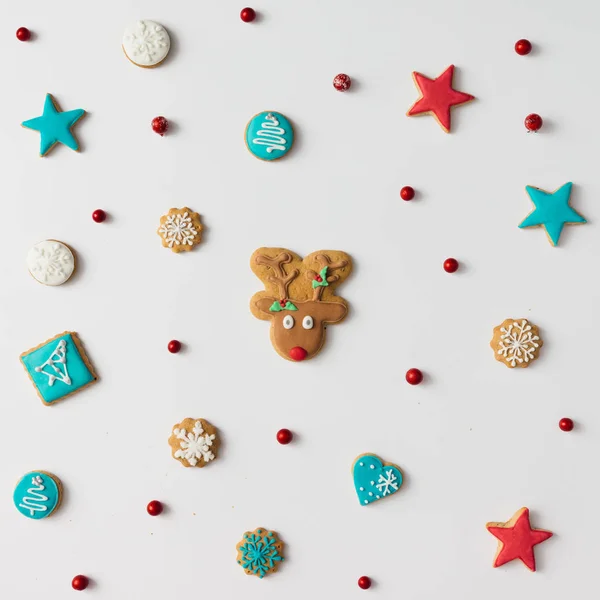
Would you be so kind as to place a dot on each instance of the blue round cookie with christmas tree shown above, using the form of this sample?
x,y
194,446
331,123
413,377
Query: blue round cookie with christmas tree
x,y
38,494
269,135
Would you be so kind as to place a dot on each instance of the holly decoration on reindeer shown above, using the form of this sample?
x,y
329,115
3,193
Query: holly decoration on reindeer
x,y
299,297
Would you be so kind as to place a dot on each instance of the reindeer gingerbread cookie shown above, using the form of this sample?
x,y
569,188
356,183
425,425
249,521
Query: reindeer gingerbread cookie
x,y
299,297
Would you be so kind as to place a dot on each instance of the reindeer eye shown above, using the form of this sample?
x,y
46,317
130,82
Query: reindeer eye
x,y
288,321
308,322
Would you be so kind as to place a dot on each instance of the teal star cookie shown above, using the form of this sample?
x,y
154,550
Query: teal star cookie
x,y
552,211
55,126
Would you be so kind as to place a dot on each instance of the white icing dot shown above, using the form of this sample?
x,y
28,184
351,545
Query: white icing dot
x,y
366,502
377,497
370,493
372,483
372,466
361,489
362,464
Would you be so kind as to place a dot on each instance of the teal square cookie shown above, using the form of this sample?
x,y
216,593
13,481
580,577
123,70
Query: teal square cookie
x,y
58,367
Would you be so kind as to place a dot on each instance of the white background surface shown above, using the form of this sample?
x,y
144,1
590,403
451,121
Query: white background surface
x,y
476,442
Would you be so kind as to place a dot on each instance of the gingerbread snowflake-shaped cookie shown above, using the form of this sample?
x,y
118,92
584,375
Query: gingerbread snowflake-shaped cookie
x,y
180,229
194,442
260,552
516,343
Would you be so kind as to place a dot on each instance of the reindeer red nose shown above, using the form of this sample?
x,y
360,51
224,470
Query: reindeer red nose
x,y
297,353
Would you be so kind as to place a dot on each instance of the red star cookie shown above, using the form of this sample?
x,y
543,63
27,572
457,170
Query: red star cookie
x,y
517,539
437,97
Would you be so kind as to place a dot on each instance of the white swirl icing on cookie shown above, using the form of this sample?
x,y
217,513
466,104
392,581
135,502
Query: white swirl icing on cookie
x,y
270,134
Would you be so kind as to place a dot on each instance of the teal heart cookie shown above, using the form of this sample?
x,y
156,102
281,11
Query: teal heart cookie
x,y
373,480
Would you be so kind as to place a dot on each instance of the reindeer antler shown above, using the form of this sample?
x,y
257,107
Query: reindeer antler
x,y
319,282
281,279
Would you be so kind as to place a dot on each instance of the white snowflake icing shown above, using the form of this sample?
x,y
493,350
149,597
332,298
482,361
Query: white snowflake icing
x,y
148,40
387,483
178,229
194,445
51,262
517,343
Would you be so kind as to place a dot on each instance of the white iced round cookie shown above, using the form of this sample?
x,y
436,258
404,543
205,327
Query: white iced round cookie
x,y
51,262
146,43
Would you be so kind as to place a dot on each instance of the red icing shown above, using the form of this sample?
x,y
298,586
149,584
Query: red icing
x,y
517,539
438,97
319,278
298,353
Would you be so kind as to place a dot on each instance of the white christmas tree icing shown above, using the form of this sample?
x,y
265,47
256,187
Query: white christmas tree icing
x,y
271,134
56,366
32,502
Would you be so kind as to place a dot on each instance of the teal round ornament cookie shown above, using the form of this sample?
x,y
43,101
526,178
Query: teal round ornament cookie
x,y
269,135
38,494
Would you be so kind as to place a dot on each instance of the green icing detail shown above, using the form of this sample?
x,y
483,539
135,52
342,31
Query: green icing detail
x,y
323,283
276,306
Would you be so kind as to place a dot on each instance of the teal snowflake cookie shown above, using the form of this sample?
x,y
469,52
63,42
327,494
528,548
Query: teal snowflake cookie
x,y
58,367
374,479
260,552
38,494
552,211
55,126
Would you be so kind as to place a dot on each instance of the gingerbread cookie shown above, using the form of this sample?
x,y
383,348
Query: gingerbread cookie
x,y
375,479
552,211
38,494
194,442
51,262
437,97
146,44
299,298
58,367
260,552
269,135
180,229
516,539
516,343
55,126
